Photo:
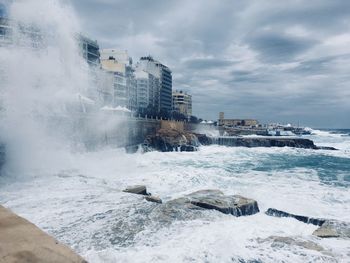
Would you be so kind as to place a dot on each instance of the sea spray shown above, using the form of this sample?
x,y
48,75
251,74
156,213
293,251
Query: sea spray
x,y
48,107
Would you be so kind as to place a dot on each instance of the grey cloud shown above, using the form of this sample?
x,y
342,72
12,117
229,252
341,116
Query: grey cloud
x,y
279,75
274,47
207,63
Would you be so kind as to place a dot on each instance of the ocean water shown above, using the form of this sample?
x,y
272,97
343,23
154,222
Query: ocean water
x,y
76,195
81,203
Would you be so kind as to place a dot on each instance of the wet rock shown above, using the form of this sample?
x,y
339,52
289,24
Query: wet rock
x,y
214,199
266,142
279,242
203,139
169,140
333,228
326,148
136,189
327,227
154,199
305,219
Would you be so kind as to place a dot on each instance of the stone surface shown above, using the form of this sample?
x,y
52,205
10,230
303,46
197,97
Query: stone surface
x,y
203,139
136,189
333,228
154,199
266,142
214,199
279,241
169,140
327,227
305,219
22,241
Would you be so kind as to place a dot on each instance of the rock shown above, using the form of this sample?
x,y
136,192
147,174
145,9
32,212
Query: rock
x,y
214,199
203,139
305,219
279,242
266,142
22,241
154,199
168,140
136,189
326,148
327,227
333,228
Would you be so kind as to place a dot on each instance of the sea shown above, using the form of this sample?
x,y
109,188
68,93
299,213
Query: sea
x,y
83,206
76,194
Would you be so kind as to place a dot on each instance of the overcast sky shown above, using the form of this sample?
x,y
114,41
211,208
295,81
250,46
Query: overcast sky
x,y
286,61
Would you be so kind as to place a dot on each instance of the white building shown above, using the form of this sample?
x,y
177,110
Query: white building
x,y
119,64
143,89
182,103
161,90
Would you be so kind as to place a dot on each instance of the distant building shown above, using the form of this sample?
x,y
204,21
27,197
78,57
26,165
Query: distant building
x,y
236,122
182,103
143,89
163,96
90,50
14,33
124,82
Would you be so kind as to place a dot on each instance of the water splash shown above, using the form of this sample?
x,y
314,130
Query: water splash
x,y
46,111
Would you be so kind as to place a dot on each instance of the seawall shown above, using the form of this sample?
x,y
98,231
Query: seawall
x,y
22,241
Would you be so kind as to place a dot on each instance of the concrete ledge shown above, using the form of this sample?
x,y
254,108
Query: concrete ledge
x,y
22,241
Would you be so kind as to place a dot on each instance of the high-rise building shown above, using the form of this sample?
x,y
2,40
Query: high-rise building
x,y
162,96
124,83
90,50
182,103
143,88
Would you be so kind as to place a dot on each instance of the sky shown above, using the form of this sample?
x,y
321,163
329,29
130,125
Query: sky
x,y
276,61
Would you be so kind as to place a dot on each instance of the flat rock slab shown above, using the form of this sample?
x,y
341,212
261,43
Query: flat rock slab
x,y
333,228
279,241
327,227
136,189
22,241
214,199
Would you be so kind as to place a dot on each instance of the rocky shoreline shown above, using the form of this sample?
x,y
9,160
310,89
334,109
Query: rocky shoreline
x,y
169,140
235,205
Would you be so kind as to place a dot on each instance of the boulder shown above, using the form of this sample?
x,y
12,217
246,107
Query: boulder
x,y
136,189
214,199
333,228
154,199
